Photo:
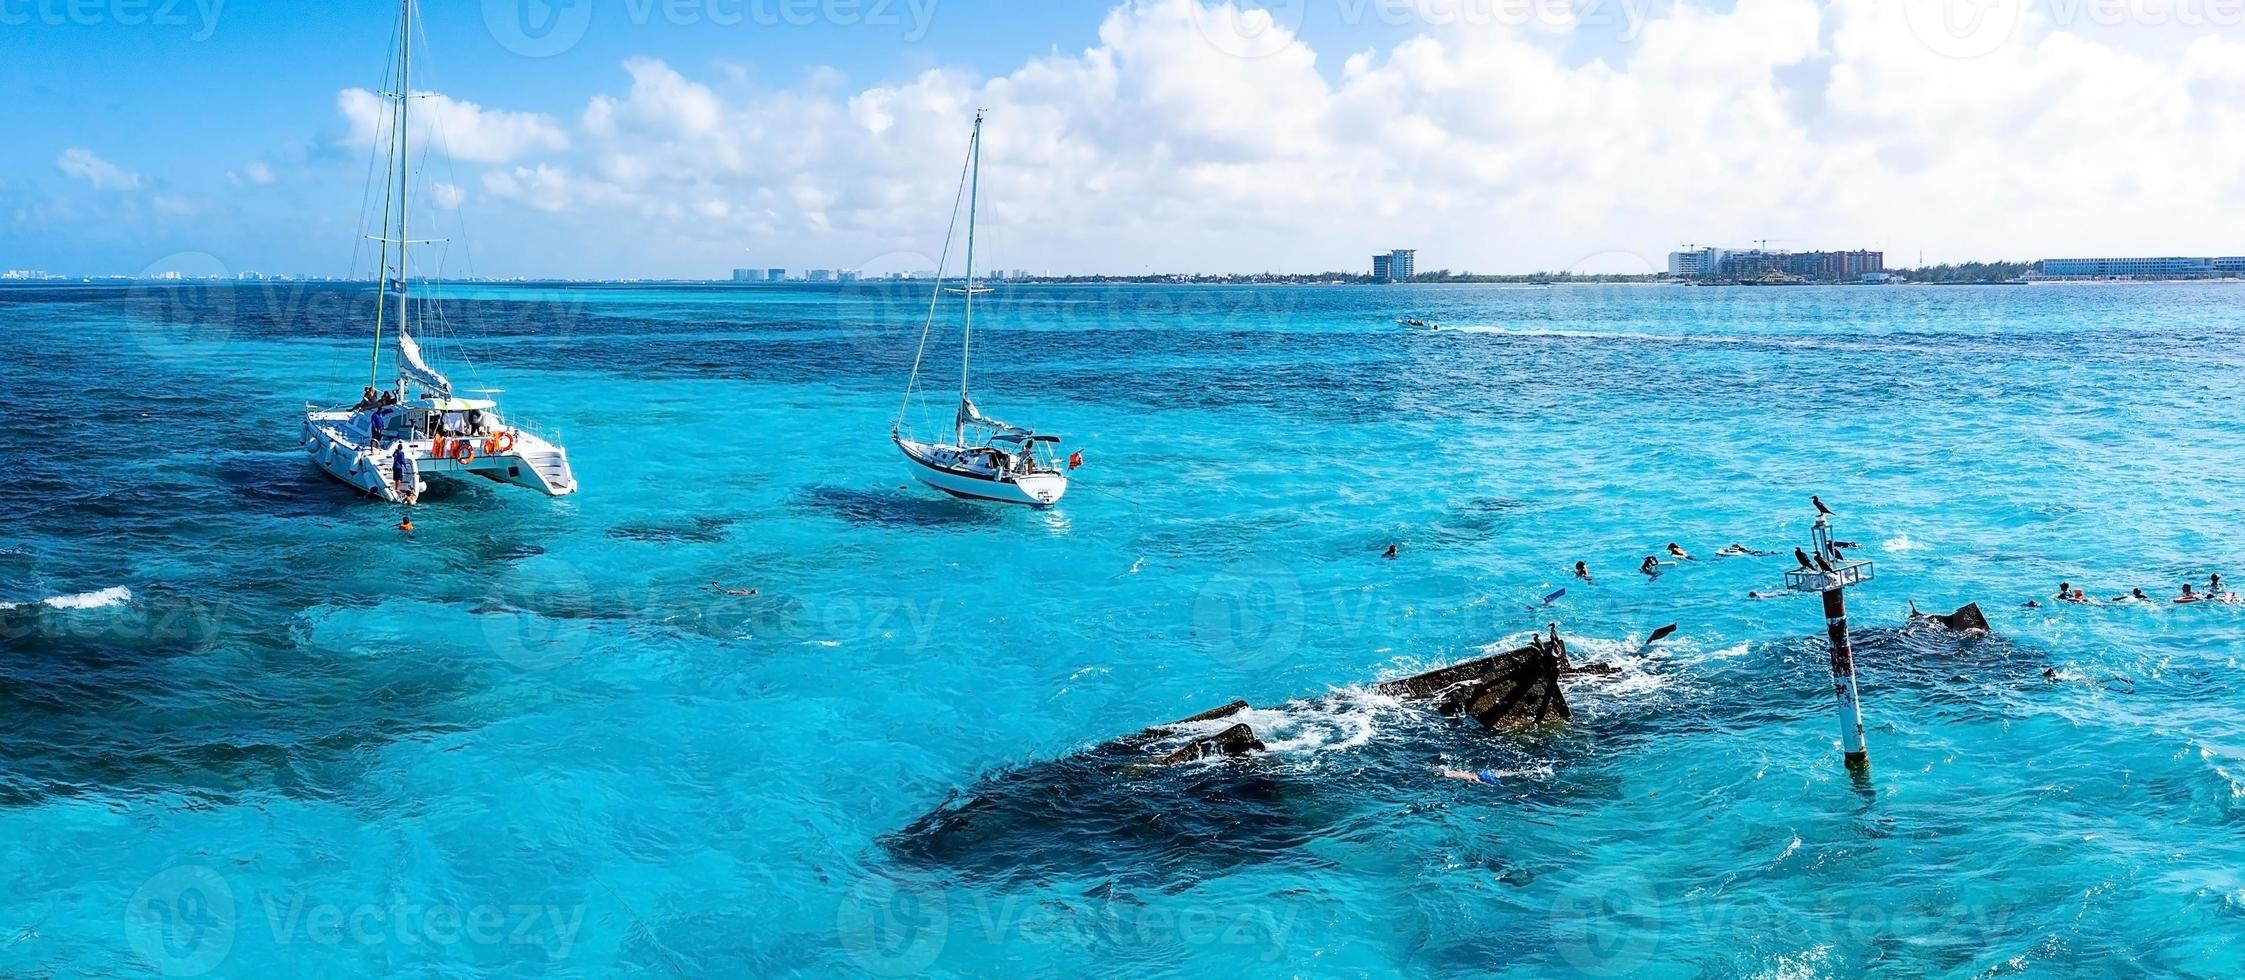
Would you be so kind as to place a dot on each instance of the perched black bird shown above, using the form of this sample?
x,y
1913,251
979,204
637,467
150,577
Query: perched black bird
x,y
1823,565
1820,508
1802,557
1836,556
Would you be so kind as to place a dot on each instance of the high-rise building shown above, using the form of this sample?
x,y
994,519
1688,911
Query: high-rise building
x,y
819,275
748,275
1696,262
1394,265
775,275
2162,267
845,275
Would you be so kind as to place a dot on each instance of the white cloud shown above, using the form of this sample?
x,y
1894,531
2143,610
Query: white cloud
x,y
103,175
442,124
447,196
257,173
1487,144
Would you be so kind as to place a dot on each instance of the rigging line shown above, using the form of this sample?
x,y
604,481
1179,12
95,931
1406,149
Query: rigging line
x,y
382,263
432,305
974,197
405,187
934,299
366,187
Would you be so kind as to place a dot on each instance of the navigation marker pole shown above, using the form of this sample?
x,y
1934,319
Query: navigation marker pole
x,y
1833,586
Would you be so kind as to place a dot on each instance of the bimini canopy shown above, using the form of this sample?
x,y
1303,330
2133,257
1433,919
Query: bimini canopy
x,y
453,404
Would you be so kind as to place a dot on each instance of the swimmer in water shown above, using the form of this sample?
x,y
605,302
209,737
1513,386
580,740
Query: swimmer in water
x,y
1486,776
1736,550
1650,566
2134,595
1679,552
2188,595
714,587
1582,571
1389,554
2214,582
2080,596
2065,589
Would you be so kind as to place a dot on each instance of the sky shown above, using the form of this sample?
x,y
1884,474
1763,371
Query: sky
x,y
682,138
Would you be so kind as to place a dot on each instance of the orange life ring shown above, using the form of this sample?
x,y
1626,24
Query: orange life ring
x,y
462,452
503,442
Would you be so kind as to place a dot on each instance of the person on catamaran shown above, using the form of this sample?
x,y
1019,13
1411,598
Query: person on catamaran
x,y
407,475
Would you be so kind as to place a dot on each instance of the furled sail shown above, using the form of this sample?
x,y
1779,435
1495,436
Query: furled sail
x,y
417,371
970,416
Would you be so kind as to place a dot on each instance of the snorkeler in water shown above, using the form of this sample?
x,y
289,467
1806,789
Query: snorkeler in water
x,y
1650,566
1487,777
1679,552
1582,571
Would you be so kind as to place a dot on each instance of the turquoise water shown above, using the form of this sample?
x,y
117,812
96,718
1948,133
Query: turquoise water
x,y
258,730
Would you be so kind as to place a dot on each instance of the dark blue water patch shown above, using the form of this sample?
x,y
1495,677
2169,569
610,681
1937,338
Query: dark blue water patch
x,y
907,507
284,485
697,530
199,694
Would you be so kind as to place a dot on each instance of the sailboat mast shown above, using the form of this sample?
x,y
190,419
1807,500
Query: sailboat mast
x,y
398,138
966,345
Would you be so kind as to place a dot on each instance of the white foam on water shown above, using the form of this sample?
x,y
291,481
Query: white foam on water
x,y
114,595
1899,544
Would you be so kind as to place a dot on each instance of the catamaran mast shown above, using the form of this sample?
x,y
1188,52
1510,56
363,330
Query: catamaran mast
x,y
966,345
393,190
405,99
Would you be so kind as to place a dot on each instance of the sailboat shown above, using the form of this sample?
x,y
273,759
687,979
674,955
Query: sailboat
x,y
412,424
978,457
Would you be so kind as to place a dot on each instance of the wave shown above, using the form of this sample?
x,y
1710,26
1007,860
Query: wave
x,y
114,595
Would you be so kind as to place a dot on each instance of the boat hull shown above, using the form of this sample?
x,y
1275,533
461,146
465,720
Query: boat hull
x,y
334,448
1042,489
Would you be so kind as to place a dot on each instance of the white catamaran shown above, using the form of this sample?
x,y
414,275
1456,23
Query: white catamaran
x,y
415,426
983,458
